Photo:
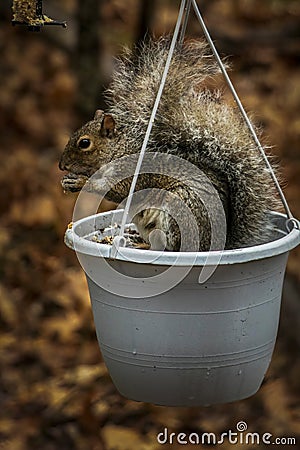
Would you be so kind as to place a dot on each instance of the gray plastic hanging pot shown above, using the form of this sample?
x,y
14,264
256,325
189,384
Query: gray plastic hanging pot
x,y
173,342
184,328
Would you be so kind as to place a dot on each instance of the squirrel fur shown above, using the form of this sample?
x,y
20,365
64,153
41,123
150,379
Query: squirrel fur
x,y
192,123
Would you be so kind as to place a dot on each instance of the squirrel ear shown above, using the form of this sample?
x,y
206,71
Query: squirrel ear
x,y
98,114
108,126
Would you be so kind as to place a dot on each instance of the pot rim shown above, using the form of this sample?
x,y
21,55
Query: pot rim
x,y
80,243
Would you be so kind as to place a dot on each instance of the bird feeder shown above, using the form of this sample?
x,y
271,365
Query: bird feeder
x,y
184,328
30,13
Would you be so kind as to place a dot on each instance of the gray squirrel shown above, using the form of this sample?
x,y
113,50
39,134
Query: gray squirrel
x,y
193,123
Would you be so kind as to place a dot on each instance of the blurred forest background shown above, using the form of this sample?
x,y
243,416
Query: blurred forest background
x,y
55,392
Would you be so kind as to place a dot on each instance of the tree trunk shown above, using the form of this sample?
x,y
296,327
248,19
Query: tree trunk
x,y
147,12
87,63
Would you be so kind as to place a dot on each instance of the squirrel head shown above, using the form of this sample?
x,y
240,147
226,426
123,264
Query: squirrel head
x,y
89,147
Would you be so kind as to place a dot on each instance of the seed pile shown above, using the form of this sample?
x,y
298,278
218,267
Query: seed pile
x,y
133,239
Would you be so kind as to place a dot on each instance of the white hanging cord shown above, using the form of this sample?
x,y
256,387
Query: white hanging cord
x,y
119,240
241,108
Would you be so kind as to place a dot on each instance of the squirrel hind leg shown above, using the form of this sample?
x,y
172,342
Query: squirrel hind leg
x,y
153,227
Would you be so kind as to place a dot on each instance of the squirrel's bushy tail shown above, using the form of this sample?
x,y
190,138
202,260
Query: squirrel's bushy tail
x,y
138,74
198,125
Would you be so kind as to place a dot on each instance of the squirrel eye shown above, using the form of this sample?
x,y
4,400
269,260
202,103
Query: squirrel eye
x,y
84,143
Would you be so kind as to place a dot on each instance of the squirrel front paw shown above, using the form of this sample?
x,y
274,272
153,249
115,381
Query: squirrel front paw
x,y
73,182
